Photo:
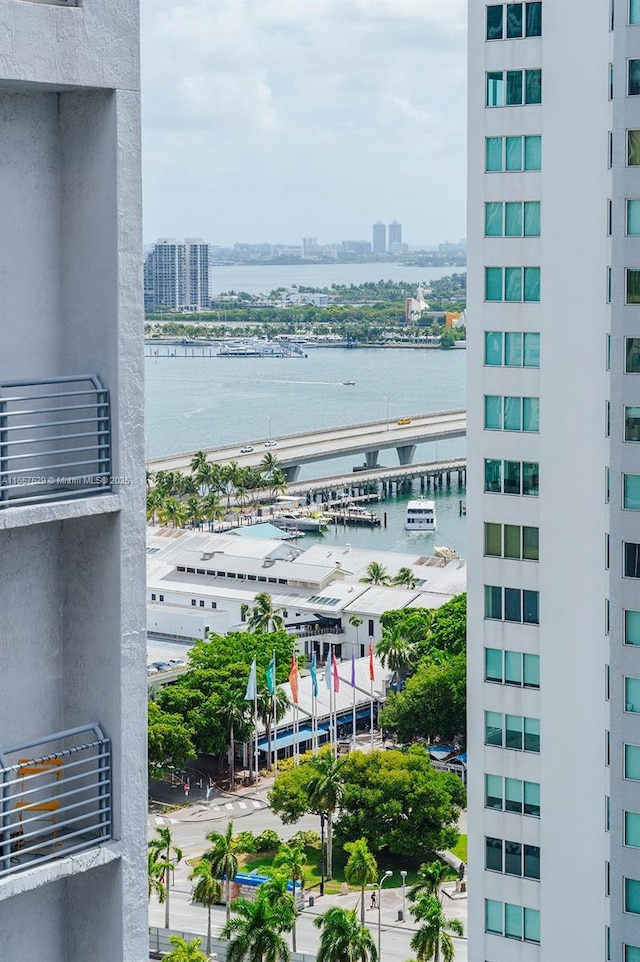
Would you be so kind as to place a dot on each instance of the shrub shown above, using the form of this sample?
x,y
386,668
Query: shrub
x,y
246,842
267,841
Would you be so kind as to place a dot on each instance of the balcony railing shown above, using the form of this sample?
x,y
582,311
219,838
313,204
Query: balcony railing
x,y
55,440
54,801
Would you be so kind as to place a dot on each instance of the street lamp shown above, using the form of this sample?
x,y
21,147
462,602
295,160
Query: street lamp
x,y
387,400
378,886
322,818
404,904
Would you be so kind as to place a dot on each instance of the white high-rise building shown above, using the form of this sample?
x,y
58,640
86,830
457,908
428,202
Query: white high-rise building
x,y
554,481
176,275
72,685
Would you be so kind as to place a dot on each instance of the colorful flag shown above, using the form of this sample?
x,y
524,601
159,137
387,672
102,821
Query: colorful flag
x,y
250,693
336,680
271,675
314,675
353,668
294,678
371,671
327,672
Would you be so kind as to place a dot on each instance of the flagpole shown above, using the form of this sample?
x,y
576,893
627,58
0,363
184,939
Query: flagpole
x,y
255,731
371,714
353,690
275,721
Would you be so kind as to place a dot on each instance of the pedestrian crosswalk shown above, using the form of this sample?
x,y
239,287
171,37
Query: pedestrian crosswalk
x,y
218,807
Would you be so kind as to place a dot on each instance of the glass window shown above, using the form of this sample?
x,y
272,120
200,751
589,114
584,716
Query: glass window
x,y
512,477
633,286
632,423
493,219
493,602
532,735
631,559
632,695
531,671
513,732
493,412
512,538
493,283
633,217
514,88
634,11
530,474
534,19
513,349
633,148
632,829
513,219
493,664
530,601
532,218
493,791
512,604
532,799
493,154
512,668
513,283
493,730
533,87
513,414
632,896
493,540
514,153
530,543
632,355
531,861
532,153
493,916
514,21
493,476
513,795
532,283
495,89
632,953
493,348
634,78
632,627
512,858
631,491
532,925
493,850
632,762
531,414
494,22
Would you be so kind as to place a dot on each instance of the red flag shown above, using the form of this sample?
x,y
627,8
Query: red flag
x,y
294,678
336,680
372,675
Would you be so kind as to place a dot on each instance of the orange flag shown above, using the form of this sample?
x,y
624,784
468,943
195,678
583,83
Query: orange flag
x,y
371,671
294,678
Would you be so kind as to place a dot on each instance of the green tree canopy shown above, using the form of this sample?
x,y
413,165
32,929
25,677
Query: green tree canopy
x,y
343,939
170,741
361,868
432,703
255,932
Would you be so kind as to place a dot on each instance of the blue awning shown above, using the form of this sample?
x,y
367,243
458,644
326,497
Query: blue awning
x,y
287,739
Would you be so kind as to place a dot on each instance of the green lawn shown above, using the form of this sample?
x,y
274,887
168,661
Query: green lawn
x,y
461,849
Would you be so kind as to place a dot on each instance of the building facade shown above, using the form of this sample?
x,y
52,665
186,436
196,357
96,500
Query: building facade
x,y
379,238
395,237
176,276
72,686
554,477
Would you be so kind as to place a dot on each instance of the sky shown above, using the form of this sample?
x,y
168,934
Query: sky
x,y
274,120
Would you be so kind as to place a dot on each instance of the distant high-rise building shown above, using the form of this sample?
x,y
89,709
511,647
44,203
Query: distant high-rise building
x,y
395,237
176,275
379,238
309,246
355,247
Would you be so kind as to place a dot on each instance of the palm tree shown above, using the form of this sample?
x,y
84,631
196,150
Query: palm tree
x,y
269,463
185,951
324,789
207,891
270,708
212,508
276,891
223,858
361,868
431,875
377,574
395,651
235,710
155,497
263,616
343,939
168,855
405,577
433,939
255,932
277,482
356,622
292,858
155,875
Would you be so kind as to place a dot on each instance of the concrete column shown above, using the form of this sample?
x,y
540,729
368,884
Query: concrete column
x,y
406,453
291,473
371,458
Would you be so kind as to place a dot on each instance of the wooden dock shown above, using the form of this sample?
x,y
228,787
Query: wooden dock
x,y
354,516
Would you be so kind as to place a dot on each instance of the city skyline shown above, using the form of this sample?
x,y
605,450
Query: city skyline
x,y
258,118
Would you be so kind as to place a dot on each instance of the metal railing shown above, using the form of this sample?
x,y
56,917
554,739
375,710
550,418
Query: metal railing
x,y
56,801
55,440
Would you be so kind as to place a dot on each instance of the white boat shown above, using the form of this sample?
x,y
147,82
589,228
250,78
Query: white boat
x,y
421,515
291,520
449,554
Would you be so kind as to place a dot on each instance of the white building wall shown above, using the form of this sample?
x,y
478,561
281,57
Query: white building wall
x,y
571,449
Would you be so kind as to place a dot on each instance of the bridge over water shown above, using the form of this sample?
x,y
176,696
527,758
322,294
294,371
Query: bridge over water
x,y
369,439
